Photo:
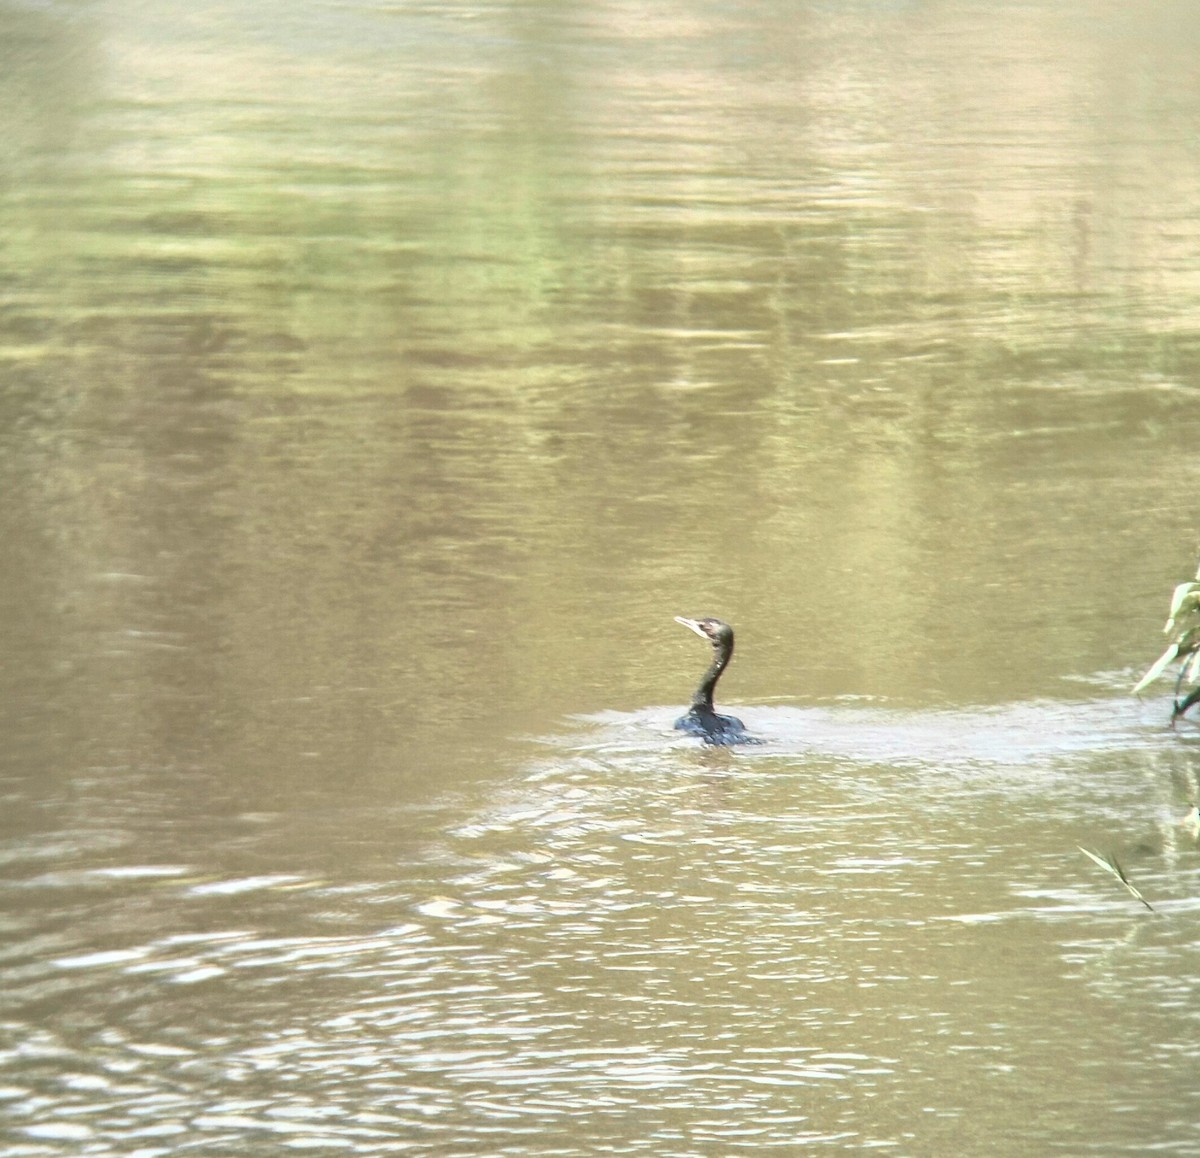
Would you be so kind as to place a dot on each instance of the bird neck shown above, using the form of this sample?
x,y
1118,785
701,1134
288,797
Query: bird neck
x,y
703,696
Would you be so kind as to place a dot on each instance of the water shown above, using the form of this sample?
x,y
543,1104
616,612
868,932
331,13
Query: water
x,y
376,384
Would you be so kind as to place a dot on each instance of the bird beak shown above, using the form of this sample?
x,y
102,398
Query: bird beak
x,y
691,625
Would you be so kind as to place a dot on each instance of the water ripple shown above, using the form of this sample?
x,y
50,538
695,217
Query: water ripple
x,y
724,949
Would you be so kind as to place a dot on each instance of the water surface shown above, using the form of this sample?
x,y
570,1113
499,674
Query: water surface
x,y
377,381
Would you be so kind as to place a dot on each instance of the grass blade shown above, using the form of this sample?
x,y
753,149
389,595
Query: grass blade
x,y
1109,865
1159,666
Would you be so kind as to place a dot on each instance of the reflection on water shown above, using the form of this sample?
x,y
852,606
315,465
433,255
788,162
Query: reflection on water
x,y
377,381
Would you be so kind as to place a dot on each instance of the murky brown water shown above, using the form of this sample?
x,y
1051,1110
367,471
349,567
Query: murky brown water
x,y
377,382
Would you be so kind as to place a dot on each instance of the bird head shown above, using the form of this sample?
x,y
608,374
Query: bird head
x,y
716,631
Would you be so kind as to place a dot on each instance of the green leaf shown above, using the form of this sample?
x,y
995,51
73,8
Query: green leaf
x,y
1111,865
1188,641
1185,602
1181,592
1159,666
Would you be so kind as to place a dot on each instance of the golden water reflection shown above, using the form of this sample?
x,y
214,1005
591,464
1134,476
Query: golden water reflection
x,y
376,384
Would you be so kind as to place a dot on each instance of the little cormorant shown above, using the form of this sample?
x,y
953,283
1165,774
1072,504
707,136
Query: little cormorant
x,y
701,720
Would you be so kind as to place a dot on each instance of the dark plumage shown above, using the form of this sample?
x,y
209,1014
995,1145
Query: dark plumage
x,y
701,719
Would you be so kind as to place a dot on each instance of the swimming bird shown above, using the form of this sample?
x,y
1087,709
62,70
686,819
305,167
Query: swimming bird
x,y
701,719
